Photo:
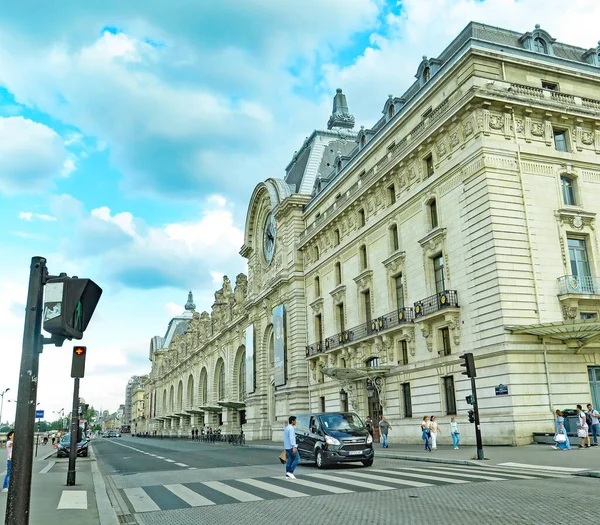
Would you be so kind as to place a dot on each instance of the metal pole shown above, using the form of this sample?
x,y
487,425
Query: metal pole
x,y
19,489
74,441
477,425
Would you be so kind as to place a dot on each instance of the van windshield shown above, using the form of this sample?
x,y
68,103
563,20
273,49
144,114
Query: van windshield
x,y
341,422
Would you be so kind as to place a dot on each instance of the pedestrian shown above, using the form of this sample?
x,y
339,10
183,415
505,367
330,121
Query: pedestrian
x,y
593,423
426,432
582,428
384,427
562,437
9,448
433,426
454,432
291,448
369,425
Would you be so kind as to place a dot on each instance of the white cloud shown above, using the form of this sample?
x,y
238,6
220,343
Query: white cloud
x,y
31,154
29,216
173,309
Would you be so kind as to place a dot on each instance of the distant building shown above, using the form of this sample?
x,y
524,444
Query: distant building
x,y
129,413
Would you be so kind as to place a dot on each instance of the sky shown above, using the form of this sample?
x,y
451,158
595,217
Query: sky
x,y
133,133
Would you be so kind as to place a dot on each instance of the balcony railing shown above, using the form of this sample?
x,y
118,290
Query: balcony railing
x,y
376,325
578,284
437,302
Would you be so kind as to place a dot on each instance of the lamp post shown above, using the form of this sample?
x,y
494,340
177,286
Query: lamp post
x,y
2,404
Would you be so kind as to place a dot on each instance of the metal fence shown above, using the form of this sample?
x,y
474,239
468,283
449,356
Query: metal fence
x,y
215,437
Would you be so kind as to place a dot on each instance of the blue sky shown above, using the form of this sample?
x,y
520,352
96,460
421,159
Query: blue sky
x,y
133,133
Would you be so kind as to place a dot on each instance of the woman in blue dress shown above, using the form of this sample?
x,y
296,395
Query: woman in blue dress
x,y
560,429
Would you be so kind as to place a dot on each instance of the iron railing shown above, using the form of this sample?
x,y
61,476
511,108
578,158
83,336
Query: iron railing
x,y
437,302
578,284
362,331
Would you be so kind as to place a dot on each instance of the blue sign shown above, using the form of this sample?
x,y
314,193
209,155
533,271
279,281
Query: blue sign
x,y
501,390
39,414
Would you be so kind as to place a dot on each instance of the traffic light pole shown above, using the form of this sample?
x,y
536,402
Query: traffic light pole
x,y
74,440
477,425
19,489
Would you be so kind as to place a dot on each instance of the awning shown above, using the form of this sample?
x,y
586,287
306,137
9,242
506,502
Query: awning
x,y
182,414
583,332
232,404
194,411
356,374
210,408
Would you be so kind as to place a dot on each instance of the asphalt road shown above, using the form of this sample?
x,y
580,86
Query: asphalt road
x,y
181,482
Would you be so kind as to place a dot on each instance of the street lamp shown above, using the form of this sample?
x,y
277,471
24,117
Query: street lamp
x,y
2,404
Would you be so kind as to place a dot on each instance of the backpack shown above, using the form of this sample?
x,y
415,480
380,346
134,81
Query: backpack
x,y
588,419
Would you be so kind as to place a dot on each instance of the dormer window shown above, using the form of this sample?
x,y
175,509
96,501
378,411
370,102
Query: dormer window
x,y
339,165
540,46
391,111
363,141
426,75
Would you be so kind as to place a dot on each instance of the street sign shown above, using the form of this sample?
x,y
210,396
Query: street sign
x,y
39,414
501,390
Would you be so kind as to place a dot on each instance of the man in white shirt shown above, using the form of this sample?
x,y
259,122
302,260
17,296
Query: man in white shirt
x,y
595,426
291,448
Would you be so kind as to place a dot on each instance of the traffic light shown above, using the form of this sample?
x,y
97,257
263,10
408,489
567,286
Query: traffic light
x,y
78,363
471,416
469,364
69,304
470,399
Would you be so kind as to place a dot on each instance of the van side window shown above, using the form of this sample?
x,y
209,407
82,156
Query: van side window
x,y
314,424
302,423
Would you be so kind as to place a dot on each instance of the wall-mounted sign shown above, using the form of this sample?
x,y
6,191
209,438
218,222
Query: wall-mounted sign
x,y
279,341
250,367
501,390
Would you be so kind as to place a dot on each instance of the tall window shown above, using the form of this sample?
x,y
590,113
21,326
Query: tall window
x,y
319,327
406,400
404,351
429,165
399,292
426,75
433,214
445,340
222,382
336,237
438,272
568,190
322,404
394,241
450,395
363,141
560,140
391,110
361,217
341,325
338,273
242,379
363,257
317,286
391,194
316,253
578,255
367,305
373,362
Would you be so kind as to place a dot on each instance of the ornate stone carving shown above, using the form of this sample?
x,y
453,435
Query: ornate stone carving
x,y
496,122
317,306
468,128
364,280
537,129
587,138
520,126
339,294
441,149
570,312
395,262
454,140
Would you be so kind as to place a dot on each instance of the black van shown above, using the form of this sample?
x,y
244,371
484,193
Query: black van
x,y
333,437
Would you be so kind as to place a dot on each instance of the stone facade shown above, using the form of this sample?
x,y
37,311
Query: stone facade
x,y
463,221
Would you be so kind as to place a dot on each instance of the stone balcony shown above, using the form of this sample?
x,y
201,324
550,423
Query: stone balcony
x,y
579,295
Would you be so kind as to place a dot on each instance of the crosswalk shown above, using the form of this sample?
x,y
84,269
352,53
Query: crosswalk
x,y
311,482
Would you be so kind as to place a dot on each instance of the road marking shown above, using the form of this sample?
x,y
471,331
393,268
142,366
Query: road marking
x,y
238,494
47,468
73,499
420,476
481,471
385,479
189,496
287,493
347,481
464,475
159,457
319,486
193,468
169,460
181,465
140,500
541,467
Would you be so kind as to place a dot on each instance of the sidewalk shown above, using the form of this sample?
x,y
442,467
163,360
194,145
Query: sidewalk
x,y
53,503
535,456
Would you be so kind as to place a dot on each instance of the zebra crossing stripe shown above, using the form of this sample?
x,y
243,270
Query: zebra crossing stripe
x,y
181,465
384,479
319,486
348,481
238,494
567,470
463,475
421,476
140,500
481,470
285,492
189,496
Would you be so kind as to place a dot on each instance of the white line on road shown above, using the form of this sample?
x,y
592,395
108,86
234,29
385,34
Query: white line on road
x,y
348,481
73,499
140,500
181,465
286,493
238,494
319,486
542,467
385,479
189,496
169,460
47,468
420,476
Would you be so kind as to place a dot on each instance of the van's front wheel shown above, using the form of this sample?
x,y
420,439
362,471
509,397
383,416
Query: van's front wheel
x,y
368,462
320,460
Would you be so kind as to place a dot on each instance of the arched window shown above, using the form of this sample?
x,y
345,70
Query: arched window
x,y
336,237
317,286
361,217
568,190
316,253
203,387
391,110
242,379
222,382
363,141
426,75
540,46
372,362
339,165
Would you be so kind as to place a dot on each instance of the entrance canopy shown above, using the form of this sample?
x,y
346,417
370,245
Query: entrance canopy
x,y
211,408
232,404
582,332
356,374
194,411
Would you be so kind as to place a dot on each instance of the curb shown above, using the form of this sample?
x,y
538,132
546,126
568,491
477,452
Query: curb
x,y
470,462
106,512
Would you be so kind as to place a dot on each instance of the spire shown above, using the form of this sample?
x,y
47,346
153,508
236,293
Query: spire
x,y
340,116
190,302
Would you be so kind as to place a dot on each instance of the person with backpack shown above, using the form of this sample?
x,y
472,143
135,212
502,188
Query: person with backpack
x,y
593,420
